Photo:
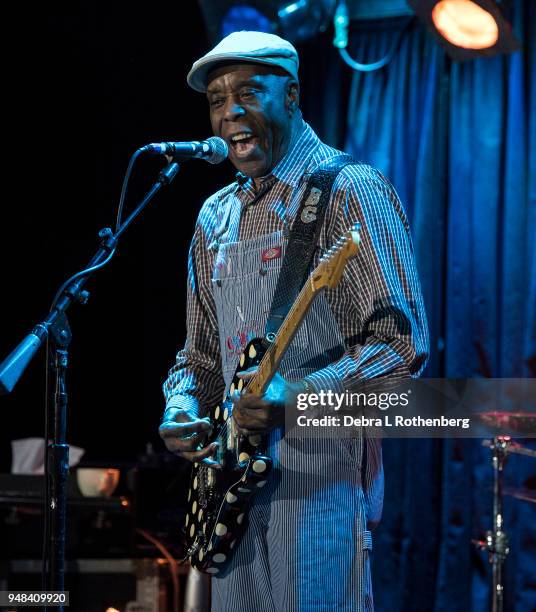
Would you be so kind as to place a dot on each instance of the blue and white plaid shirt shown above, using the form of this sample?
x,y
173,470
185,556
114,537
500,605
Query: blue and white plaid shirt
x,y
378,303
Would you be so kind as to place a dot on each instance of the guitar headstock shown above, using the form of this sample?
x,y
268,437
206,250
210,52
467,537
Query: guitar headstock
x,y
329,271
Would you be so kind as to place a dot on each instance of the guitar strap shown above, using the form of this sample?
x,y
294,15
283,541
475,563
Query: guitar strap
x,y
302,240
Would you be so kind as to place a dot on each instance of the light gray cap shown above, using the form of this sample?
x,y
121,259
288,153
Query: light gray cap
x,y
250,47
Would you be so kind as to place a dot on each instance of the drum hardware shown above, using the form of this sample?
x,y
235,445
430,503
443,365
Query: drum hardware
x,y
519,422
514,447
528,495
496,542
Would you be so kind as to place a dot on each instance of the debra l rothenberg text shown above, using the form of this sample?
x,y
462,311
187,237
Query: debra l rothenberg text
x,y
385,421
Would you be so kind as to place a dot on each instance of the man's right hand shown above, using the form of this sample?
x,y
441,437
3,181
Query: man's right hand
x,y
183,434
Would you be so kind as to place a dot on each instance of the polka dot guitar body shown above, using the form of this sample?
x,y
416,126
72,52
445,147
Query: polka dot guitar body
x,y
218,500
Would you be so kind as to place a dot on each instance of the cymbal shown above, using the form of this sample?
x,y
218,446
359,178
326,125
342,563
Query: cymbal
x,y
516,421
513,447
524,494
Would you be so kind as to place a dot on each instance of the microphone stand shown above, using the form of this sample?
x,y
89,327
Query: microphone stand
x,y
56,327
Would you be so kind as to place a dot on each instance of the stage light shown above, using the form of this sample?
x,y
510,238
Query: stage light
x,y
465,24
305,18
295,21
468,28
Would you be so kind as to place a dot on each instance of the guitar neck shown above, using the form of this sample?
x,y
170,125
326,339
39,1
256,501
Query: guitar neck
x,y
327,274
273,356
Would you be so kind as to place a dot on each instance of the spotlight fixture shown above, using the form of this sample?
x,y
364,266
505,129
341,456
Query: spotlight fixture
x,y
305,18
468,28
295,21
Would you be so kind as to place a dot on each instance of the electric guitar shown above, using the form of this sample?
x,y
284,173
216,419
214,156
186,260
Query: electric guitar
x,y
218,500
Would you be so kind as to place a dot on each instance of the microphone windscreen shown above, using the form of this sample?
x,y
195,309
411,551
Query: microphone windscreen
x,y
220,150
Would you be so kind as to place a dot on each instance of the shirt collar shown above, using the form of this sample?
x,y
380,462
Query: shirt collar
x,y
292,167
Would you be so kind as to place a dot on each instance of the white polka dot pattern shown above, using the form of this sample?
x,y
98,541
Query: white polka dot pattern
x,y
259,466
221,529
213,539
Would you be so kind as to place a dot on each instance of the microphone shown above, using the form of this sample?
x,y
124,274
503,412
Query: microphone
x,y
214,149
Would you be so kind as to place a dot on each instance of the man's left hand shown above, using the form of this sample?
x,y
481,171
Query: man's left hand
x,y
257,415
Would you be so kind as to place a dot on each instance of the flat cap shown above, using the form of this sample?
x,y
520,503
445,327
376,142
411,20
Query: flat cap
x,y
250,47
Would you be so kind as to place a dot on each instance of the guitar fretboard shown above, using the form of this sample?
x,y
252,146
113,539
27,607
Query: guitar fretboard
x,y
273,356
326,274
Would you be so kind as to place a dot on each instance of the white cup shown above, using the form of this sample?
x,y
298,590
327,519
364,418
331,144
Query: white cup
x,y
97,482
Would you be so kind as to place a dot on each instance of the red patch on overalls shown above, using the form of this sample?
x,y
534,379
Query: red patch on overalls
x,y
271,253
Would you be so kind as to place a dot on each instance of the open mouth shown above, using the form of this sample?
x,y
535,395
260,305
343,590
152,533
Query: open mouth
x,y
243,144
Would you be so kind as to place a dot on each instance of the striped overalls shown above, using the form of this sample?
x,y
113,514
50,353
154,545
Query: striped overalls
x,y
306,548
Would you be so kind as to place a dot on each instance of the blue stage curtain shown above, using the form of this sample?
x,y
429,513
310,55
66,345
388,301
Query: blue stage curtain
x,y
458,141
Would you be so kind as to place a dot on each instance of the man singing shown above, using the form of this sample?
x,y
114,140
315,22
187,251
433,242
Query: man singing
x,y
308,540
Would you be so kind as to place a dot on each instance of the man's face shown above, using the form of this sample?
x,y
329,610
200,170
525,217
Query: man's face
x,y
251,109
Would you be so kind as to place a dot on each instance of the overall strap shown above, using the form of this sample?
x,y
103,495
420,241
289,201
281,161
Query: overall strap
x,y
302,240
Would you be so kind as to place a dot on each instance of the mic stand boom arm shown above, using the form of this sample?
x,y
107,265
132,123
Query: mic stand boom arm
x,y
56,327
16,362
